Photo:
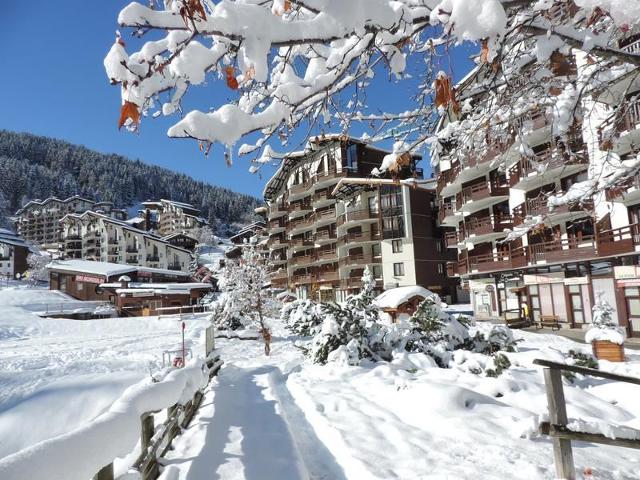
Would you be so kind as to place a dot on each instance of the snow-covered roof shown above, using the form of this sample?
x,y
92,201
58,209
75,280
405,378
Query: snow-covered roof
x,y
395,297
10,238
134,220
178,234
52,199
86,266
163,271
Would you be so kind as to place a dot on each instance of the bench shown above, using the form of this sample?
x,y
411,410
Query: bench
x,y
552,321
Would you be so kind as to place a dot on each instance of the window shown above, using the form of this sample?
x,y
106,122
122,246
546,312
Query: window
x,y
398,269
438,247
376,250
396,246
352,157
440,269
79,287
373,205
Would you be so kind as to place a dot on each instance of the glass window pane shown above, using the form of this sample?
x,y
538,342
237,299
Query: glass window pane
x,y
535,302
576,301
533,289
634,306
632,292
574,288
578,317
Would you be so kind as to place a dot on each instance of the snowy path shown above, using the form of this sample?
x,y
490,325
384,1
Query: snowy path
x,y
249,426
280,418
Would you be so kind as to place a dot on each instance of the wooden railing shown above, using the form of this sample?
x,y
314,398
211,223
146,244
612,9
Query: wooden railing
x,y
557,426
356,215
479,192
548,159
619,240
359,237
573,248
451,239
359,259
445,210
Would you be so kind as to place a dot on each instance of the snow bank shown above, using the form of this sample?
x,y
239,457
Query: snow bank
x,y
81,453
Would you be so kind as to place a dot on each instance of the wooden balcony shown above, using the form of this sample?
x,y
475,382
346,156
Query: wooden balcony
x,y
360,259
302,260
301,223
571,249
277,242
357,216
326,255
480,193
451,239
279,275
619,191
532,120
619,241
322,196
476,227
301,242
447,177
324,215
277,224
300,207
326,276
538,206
544,163
359,237
452,269
445,210
325,236
277,210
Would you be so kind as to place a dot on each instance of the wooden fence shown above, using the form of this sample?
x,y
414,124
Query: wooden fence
x,y
557,428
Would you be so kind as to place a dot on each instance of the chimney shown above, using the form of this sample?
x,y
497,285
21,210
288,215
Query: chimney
x,y
124,281
147,219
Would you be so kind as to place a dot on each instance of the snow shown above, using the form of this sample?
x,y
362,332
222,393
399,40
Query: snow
x,y
471,20
86,266
613,335
112,434
56,374
623,12
395,297
282,417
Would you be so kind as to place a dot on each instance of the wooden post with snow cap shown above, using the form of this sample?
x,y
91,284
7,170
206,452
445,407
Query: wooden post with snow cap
x,y
562,453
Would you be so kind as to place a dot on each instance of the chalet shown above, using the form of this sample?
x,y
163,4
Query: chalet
x,y
13,254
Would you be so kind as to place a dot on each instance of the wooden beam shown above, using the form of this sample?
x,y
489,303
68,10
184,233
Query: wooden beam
x,y
561,431
587,371
562,454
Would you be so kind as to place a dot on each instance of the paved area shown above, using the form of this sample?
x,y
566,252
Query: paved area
x,y
578,335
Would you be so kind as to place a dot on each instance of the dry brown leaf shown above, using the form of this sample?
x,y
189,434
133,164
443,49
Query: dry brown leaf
x,y
443,91
128,111
484,51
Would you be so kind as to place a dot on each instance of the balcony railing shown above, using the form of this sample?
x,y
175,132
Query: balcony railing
x,y
451,239
322,215
302,242
359,237
356,216
486,225
174,266
619,241
480,191
303,260
277,209
633,47
612,193
573,248
325,235
153,258
445,210
544,161
539,206
359,259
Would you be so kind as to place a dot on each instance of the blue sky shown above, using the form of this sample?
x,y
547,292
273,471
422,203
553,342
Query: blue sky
x,y
53,84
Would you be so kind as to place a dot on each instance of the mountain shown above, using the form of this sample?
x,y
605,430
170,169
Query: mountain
x,y
38,167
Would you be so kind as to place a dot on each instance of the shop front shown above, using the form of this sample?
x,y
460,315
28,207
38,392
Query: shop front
x,y
627,280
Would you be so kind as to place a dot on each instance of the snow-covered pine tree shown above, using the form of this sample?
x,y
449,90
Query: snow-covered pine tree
x,y
37,271
349,333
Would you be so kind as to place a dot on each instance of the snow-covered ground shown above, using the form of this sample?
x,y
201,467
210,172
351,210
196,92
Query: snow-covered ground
x,y
57,374
280,417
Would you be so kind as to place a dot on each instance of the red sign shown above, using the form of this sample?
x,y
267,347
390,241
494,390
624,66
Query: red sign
x,y
88,279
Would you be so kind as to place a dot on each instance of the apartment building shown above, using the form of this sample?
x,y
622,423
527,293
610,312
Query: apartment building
x,y
13,254
320,243
38,221
166,216
95,236
568,253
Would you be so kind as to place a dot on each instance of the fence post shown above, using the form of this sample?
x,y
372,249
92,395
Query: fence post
x,y
105,473
210,341
147,430
562,454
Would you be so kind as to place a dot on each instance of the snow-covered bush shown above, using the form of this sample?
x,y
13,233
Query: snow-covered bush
x,y
351,333
37,263
604,328
302,317
348,333
579,359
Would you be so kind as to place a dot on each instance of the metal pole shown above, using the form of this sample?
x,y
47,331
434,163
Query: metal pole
x,y
184,360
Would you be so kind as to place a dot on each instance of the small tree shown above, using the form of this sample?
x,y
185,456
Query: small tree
x,y
350,332
244,300
38,267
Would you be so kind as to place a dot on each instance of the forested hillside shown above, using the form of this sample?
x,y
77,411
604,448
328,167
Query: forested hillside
x,y
38,167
